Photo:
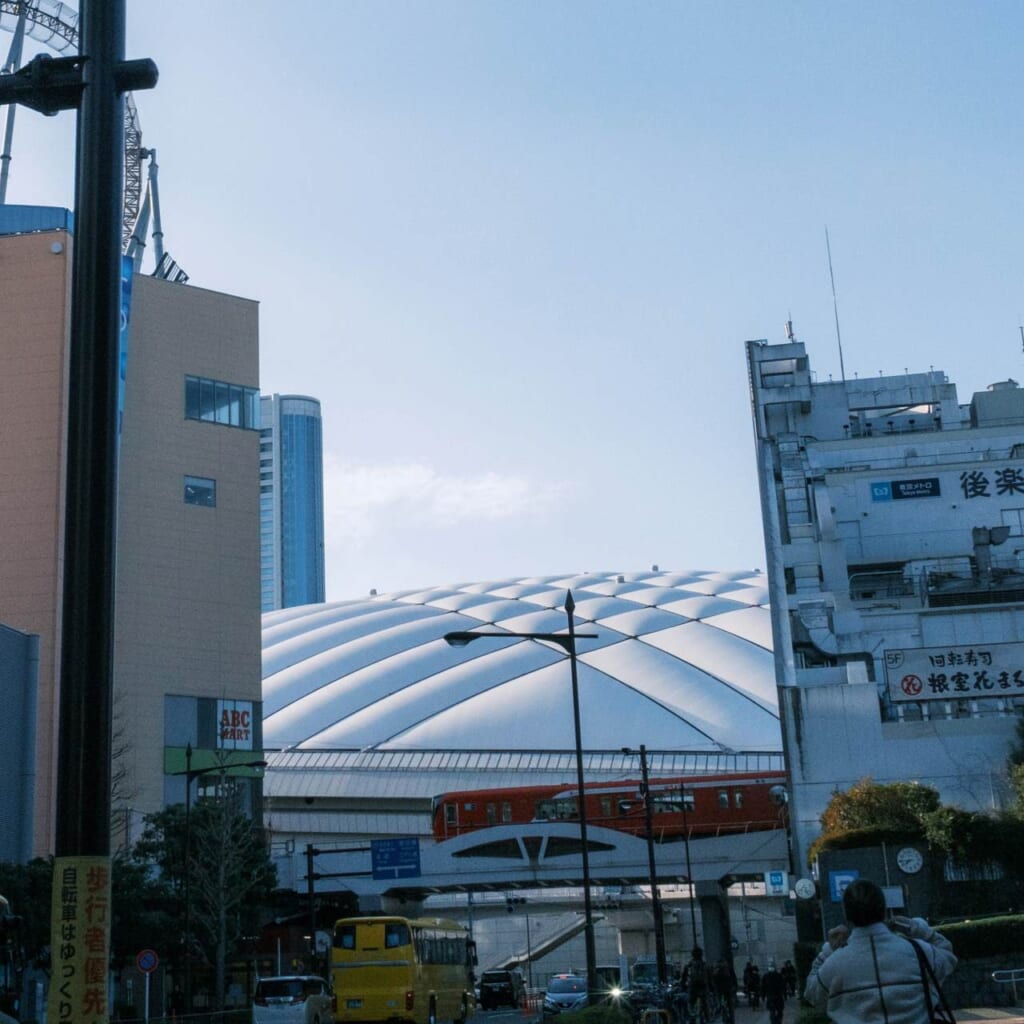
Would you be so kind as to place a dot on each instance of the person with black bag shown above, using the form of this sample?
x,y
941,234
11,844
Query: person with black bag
x,y
883,974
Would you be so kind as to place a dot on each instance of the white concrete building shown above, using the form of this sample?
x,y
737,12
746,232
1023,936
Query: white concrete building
x,y
893,527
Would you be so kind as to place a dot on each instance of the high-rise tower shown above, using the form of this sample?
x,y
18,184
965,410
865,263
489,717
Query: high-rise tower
x,y
291,502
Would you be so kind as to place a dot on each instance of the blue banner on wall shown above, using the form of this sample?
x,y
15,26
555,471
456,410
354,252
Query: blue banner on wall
x,y
897,490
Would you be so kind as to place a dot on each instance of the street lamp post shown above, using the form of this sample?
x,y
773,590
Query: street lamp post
x,y
567,641
659,926
191,773
511,902
689,869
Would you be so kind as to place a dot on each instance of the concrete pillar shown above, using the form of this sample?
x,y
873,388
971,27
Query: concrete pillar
x,y
714,915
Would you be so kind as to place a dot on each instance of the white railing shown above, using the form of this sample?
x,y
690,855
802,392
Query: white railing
x,y
1010,977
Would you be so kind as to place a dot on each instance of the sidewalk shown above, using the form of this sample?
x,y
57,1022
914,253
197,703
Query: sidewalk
x,y
791,1014
1004,1015
745,1015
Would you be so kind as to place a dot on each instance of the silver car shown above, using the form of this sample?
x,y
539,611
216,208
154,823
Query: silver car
x,y
293,999
565,992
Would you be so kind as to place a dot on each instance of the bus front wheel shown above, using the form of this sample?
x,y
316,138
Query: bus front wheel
x,y
463,1013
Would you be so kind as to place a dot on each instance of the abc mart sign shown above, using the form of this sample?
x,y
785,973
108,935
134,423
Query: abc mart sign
x,y
955,672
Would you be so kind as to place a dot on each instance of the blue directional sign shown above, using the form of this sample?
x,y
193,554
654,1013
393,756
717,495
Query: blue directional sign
x,y
838,881
395,858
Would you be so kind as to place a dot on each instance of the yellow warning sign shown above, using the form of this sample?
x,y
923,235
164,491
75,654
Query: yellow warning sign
x,y
79,940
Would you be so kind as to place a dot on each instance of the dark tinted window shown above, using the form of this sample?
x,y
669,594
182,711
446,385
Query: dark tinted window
x,y
279,988
396,935
567,985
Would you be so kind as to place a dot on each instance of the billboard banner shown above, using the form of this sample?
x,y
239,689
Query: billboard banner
x,y
234,724
955,673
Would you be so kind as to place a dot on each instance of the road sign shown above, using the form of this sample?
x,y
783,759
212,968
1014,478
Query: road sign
x,y
147,961
395,858
776,883
838,881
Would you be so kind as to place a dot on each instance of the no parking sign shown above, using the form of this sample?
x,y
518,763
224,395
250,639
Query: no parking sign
x,y
147,961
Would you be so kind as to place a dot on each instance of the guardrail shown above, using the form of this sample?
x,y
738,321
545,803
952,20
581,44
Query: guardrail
x,y
1010,977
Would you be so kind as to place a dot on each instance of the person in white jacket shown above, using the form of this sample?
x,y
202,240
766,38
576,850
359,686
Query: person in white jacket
x,y
874,976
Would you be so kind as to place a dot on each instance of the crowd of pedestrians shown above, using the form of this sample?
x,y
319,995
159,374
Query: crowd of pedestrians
x,y
870,971
770,989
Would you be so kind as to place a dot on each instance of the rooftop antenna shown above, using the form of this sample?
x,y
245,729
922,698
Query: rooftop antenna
x,y
12,63
835,304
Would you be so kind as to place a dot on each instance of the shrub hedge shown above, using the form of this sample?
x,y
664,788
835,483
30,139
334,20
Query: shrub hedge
x,y
994,936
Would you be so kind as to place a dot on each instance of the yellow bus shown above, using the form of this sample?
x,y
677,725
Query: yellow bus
x,y
397,969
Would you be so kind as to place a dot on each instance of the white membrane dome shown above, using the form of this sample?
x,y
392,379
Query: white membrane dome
x,y
682,662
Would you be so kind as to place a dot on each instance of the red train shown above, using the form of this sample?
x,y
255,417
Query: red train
x,y
697,805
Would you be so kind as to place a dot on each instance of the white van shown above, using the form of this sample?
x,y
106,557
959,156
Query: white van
x,y
293,999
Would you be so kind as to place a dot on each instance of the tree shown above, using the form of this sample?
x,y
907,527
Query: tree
x,y
27,888
893,806
232,876
870,812
144,911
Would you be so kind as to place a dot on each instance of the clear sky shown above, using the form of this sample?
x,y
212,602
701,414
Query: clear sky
x,y
515,248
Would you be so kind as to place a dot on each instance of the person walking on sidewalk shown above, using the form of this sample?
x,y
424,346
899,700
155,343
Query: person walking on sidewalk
x,y
773,989
724,979
875,977
752,984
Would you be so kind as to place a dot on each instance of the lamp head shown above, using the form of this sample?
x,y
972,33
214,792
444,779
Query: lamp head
x,y
459,639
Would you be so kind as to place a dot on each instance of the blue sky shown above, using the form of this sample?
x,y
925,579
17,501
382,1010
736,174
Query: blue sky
x,y
515,248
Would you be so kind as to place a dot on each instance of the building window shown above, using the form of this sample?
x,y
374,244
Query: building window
x,y
199,490
215,401
1014,519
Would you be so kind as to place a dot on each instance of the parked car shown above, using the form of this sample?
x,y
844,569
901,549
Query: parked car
x,y
501,988
565,992
293,999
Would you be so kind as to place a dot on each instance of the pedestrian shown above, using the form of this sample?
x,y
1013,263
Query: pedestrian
x,y
176,1003
773,991
698,984
874,976
788,972
752,984
724,979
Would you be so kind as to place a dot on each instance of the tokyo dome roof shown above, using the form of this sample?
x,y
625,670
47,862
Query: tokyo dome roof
x,y
682,661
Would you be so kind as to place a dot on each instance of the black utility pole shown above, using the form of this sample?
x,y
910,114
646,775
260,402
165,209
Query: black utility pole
x,y
95,83
83,772
652,867
659,926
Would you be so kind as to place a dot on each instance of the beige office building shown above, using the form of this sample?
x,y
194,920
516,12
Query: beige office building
x,y
187,620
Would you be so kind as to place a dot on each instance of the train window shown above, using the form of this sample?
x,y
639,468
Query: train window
x,y
469,807
556,810
689,801
665,803
723,799
606,807
450,814
492,815
506,811
737,798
